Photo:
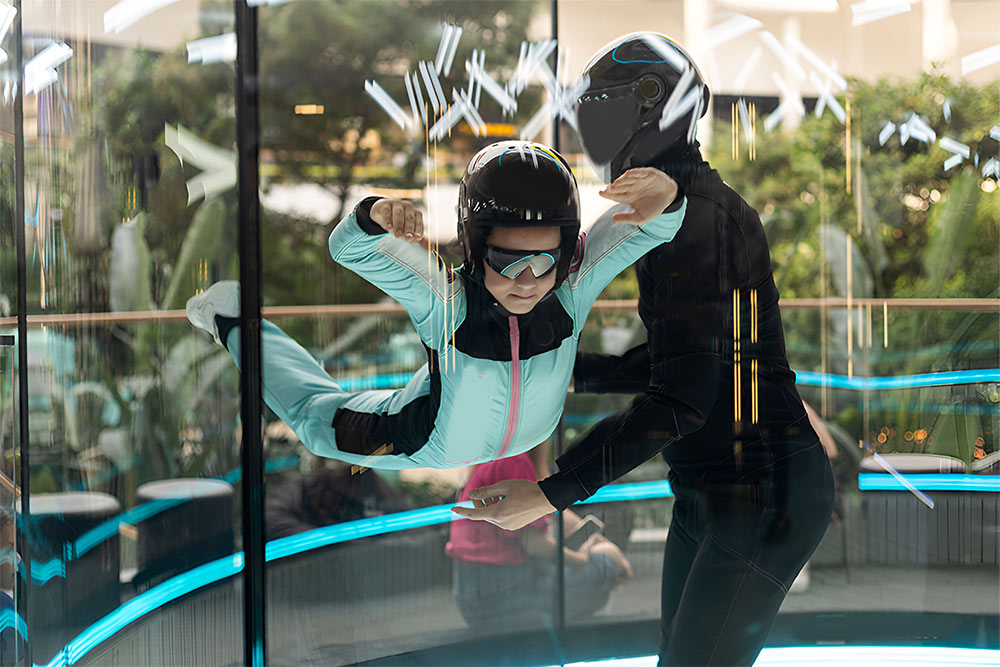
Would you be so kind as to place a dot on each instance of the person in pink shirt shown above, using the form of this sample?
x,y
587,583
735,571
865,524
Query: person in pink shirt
x,y
508,578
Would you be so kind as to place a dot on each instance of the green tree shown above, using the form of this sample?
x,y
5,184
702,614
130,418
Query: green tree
x,y
924,232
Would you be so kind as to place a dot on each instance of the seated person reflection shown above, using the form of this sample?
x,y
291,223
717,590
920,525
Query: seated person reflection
x,y
505,579
327,495
500,332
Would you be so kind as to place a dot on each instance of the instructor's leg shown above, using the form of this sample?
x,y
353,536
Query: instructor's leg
x,y
678,554
760,533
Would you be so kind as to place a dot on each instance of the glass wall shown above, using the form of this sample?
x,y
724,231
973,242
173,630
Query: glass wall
x,y
131,434
865,134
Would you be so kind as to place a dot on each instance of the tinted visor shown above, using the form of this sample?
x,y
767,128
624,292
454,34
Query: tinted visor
x,y
511,263
606,118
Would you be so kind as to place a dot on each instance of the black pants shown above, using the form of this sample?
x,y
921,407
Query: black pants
x,y
743,526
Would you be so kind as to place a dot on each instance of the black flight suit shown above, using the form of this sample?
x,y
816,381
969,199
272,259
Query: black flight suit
x,y
753,486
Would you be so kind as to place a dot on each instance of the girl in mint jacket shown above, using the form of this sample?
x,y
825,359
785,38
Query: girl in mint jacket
x,y
500,332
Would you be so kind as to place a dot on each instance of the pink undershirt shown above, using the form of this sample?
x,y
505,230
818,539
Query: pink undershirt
x,y
483,543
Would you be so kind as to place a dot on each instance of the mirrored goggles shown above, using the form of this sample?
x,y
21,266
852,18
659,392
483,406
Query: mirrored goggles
x,y
510,263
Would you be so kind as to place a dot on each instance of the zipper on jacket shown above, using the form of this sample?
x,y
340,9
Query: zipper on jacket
x,y
515,385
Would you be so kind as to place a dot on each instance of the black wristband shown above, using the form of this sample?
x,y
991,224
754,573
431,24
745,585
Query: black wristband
x,y
678,199
363,214
225,325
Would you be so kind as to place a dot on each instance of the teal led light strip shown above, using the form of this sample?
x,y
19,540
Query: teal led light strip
x,y
876,481
812,379
614,493
840,656
143,604
804,378
11,619
229,566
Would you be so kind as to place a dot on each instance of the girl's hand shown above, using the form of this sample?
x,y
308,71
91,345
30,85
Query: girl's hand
x,y
648,191
400,218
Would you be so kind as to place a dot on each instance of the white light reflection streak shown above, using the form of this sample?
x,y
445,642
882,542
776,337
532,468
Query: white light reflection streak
x,y
479,80
921,496
381,97
786,58
668,53
680,99
443,47
429,87
887,131
826,99
450,58
730,29
7,14
218,165
39,72
980,59
410,85
476,121
127,12
992,168
817,62
747,68
955,147
215,49
876,10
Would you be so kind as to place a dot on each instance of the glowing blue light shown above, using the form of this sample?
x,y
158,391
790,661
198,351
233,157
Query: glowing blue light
x,y
388,381
632,491
140,513
11,619
41,573
229,566
809,378
804,378
110,528
353,530
837,656
874,481
141,605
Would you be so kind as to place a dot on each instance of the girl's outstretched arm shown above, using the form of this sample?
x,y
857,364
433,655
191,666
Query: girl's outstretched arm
x,y
372,241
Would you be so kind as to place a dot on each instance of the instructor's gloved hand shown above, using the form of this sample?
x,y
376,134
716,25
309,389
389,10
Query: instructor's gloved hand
x,y
511,504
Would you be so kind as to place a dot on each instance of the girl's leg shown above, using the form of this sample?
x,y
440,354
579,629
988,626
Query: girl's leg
x,y
305,397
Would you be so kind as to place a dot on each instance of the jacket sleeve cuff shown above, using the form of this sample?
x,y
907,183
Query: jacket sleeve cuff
x,y
678,200
563,489
666,225
363,214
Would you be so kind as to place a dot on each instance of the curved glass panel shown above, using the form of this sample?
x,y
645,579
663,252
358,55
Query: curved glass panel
x,y
129,209
864,136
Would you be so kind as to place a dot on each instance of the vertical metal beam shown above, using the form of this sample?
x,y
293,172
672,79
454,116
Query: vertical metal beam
x,y
560,532
24,600
251,455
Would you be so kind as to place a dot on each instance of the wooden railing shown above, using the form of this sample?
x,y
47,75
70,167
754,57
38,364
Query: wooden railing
x,y
395,310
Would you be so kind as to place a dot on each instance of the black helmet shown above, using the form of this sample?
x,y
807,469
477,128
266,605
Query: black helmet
x,y
620,115
517,184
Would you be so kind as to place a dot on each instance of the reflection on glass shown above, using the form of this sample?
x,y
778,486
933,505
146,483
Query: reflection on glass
x,y
507,580
130,416
873,163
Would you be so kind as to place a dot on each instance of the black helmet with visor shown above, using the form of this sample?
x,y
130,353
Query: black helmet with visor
x,y
620,116
518,184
